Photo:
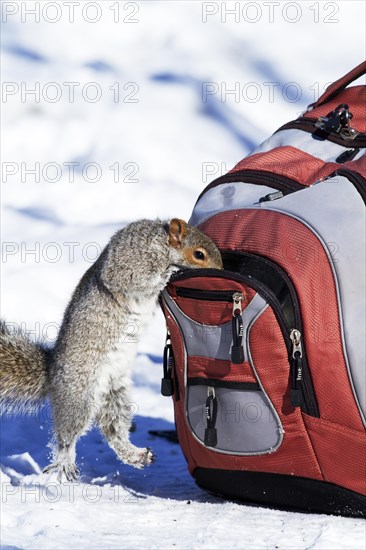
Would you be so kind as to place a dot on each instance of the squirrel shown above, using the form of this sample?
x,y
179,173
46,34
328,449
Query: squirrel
x,y
86,375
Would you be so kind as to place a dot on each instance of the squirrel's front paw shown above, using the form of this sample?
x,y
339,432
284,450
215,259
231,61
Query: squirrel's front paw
x,y
147,457
69,471
141,458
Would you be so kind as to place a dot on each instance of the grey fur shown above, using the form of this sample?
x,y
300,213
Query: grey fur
x,y
82,375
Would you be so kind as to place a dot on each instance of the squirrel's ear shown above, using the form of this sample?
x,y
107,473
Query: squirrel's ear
x,y
177,232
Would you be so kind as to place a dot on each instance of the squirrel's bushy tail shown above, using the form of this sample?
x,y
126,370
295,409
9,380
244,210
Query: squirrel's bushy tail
x,y
23,370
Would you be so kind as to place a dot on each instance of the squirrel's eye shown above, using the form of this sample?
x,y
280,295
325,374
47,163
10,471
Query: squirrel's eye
x,y
199,255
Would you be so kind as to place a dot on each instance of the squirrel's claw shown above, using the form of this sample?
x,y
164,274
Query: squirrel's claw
x,y
71,472
49,468
147,458
151,457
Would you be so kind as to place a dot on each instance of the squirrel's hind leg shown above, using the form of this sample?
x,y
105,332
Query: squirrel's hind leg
x,y
114,419
72,418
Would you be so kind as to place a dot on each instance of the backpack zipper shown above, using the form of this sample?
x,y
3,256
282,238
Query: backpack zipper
x,y
309,125
358,181
210,295
210,438
308,402
237,351
169,382
294,320
257,177
296,355
347,155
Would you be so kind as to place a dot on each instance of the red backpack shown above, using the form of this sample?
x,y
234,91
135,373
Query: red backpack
x,y
266,359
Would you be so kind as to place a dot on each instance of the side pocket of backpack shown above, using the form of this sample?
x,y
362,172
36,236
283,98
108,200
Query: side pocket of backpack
x,y
226,407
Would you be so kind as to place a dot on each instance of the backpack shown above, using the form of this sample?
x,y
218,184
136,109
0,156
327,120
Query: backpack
x,y
265,359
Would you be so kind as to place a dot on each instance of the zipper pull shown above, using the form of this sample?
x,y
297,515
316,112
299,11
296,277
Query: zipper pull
x,y
237,300
167,388
271,197
348,154
237,351
210,438
295,336
296,362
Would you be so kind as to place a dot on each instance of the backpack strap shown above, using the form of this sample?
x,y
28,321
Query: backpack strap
x,y
340,84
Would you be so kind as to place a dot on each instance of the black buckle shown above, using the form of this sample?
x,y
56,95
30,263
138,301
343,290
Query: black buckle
x,y
338,122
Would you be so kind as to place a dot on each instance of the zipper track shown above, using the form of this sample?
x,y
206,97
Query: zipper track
x,y
227,254
308,125
307,383
311,407
210,295
216,383
358,181
258,177
248,280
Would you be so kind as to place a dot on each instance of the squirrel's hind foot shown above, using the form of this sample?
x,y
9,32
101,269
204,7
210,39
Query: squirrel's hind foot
x,y
69,471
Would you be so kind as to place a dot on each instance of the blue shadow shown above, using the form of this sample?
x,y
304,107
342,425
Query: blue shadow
x,y
168,477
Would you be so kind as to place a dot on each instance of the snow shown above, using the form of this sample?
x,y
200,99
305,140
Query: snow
x,y
164,135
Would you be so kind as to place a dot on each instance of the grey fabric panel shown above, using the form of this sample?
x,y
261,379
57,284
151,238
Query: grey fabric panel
x,y
211,340
227,197
252,311
335,211
245,423
304,141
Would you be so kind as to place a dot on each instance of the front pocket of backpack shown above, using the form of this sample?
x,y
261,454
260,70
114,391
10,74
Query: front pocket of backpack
x,y
214,323
232,417
226,407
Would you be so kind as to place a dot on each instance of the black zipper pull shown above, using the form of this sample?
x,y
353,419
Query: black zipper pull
x,y
237,351
211,415
271,196
348,154
296,362
167,387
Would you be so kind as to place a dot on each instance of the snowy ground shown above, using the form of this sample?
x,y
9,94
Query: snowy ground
x,y
150,102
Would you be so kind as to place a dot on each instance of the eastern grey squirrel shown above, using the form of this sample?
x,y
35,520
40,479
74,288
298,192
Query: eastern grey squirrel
x,y
86,375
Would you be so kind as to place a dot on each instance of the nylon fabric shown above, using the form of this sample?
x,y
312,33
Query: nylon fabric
x,y
282,239
355,97
206,367
245,423
295,456
289,162
341,452
317,236
209,340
